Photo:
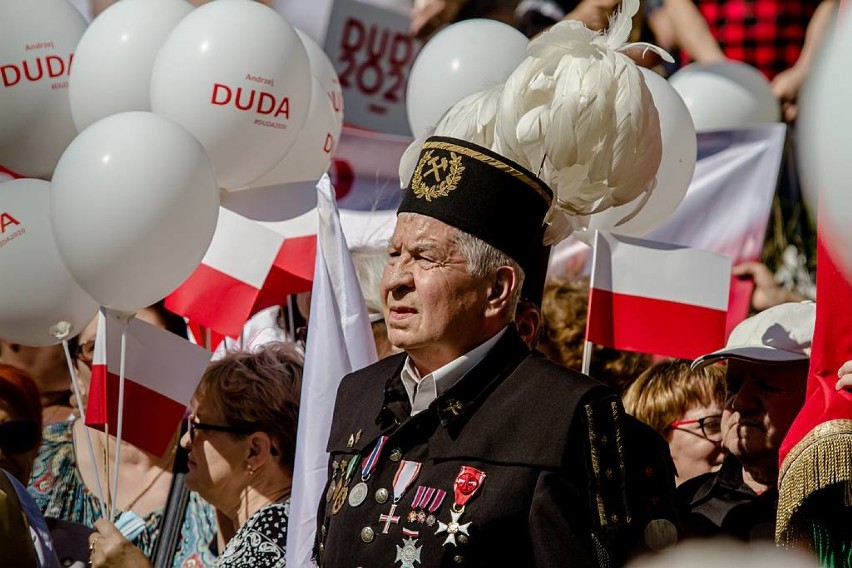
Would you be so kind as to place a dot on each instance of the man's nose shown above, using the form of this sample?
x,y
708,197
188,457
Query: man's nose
x,y
746,398
398,275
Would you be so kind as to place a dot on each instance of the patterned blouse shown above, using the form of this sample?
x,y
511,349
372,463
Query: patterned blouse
x,y
261,541
59,491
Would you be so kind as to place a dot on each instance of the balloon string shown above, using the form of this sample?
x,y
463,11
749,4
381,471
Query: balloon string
x,y
76,386
120,418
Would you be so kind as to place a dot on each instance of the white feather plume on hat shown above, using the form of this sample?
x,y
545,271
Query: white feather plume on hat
x,y
578,113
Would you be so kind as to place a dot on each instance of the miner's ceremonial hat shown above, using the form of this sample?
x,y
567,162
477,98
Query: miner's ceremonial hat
x,y
484,194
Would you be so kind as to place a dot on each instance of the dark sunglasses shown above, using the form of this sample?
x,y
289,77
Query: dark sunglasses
x,y
192,426
19,436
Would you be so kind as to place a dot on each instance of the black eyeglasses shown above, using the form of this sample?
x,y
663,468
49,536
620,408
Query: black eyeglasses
x,y
19,436
711,426
192,425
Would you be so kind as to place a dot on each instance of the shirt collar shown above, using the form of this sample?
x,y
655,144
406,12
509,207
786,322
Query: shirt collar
x,y
423,391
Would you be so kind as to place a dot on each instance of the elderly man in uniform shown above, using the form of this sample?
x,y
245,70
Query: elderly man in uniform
x,y
767,357
468,449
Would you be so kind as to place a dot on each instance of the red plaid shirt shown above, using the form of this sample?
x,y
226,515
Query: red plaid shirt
x,y
768,34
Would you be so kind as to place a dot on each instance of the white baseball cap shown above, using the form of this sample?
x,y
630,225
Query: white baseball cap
x,y
781,334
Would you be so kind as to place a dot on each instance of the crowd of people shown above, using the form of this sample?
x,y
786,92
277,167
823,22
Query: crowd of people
x,y
475,440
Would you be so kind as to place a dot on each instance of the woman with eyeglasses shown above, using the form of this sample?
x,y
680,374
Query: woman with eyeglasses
x,y
64,481
685,407
24,537
241,438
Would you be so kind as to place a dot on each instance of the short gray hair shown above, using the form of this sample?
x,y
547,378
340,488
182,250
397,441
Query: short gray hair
x,y
483,259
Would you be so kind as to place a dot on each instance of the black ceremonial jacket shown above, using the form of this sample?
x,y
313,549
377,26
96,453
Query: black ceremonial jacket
x,y
549,440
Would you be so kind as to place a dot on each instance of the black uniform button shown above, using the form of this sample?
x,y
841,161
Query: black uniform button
x,y
614,517
462,539
458,559
367,534
382,496
396,455
608,473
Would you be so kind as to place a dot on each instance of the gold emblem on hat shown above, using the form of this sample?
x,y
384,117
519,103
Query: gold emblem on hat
x,y
445,173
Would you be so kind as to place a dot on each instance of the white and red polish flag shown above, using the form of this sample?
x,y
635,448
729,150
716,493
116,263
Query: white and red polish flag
x,y
247,268
162,371
657,298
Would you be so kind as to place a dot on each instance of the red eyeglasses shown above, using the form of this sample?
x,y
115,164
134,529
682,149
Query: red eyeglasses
x,y
711,426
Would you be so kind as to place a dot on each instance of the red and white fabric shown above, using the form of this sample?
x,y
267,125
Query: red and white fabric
x,y
725,210
247,268
657,298
162,371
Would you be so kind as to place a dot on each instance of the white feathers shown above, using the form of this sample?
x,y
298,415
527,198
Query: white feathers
x,y
472,118
577,113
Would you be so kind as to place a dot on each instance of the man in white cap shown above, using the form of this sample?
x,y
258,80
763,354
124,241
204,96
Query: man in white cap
x,y
767,365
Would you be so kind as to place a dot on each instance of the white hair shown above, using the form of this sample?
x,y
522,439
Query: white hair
x,y
483,259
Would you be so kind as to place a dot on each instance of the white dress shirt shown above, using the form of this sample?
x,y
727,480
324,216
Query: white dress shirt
x,y
422,391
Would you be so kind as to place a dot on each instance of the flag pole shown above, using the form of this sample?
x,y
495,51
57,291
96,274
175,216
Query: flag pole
x,y
125,320
588,346
75,384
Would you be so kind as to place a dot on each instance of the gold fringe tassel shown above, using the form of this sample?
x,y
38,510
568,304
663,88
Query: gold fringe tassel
x,y
822,458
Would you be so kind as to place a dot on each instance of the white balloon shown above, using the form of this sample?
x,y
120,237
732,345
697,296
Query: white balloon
x,y
323,71
113,62
37,43
725,95
236,75
825,136
134,205
310,156
680,152
40,303
462,59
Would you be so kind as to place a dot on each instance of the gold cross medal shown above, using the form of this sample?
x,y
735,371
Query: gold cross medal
x,y
467,483
409,552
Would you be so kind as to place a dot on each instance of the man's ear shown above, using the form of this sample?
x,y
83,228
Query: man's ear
x,y
504,282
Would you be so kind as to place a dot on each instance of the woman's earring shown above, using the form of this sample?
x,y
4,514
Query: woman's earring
x,y
250,470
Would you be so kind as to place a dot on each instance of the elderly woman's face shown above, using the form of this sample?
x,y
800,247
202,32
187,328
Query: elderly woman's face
x,y
19,464
217,460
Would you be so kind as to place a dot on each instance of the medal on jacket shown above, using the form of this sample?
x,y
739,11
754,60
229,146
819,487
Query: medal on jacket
x,y
467,483
343,484
332,487
359,492
405,476
427,500
409,552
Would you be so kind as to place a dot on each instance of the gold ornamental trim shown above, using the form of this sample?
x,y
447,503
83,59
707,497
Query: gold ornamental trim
x,y
446,173
822,458
493,162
